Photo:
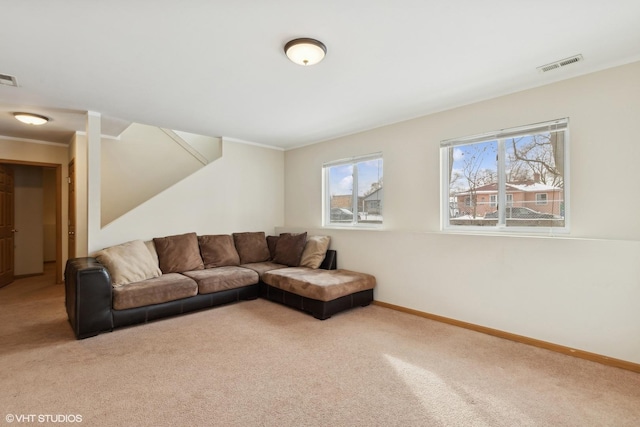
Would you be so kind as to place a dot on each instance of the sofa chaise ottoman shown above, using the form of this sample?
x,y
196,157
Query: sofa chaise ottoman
x,y
319,292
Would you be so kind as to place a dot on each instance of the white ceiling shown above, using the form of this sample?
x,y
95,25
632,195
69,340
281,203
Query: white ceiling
x,y
218,68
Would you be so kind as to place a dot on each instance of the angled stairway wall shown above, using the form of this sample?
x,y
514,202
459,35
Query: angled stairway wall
x,y
146,160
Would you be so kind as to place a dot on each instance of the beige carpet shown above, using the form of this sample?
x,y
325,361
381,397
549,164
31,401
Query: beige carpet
x,y
257,363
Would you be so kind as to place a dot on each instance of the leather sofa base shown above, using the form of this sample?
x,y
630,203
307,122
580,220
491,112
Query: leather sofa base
x,y
319,309
146,314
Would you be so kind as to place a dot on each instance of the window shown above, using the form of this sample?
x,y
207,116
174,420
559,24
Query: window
x,y
353,191
494,200
512,179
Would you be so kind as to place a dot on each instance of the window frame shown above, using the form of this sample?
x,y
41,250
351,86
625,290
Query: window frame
x,y
326,193
502,198
539,201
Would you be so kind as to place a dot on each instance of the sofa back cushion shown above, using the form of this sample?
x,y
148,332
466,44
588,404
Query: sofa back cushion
x,y
272,241
218,250
178,253
251,246
314,251
289,249
129,262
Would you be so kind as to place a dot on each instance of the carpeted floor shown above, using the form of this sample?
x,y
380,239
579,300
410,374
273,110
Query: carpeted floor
x,y
257,363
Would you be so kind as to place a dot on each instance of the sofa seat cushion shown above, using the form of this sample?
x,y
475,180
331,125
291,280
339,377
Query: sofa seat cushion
x,y
219,279
263,267
168,287
322,285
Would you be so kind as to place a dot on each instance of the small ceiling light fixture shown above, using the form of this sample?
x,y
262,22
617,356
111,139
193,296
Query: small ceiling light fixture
x,y
305,51
31,119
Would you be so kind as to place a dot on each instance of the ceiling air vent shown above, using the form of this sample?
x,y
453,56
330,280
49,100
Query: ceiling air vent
x,y
561,63
8,80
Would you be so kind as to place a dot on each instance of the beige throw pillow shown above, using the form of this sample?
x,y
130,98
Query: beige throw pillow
x,y
314,251
152,248
129,262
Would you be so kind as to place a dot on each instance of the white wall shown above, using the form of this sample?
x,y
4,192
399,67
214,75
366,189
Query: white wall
x,y
577,291
241,191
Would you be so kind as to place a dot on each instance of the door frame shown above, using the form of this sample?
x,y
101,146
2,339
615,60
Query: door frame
x,y
58,168
7,275
71,209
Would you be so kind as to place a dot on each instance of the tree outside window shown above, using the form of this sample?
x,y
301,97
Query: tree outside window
x,y
510,178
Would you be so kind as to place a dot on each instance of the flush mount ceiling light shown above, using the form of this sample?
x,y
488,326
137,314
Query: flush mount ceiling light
x,y
305,51
31,119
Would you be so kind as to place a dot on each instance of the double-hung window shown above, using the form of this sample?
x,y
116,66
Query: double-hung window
x,y
493,200
353,191
512,179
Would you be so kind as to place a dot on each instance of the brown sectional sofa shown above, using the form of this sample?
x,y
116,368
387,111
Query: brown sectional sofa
x,y
137,281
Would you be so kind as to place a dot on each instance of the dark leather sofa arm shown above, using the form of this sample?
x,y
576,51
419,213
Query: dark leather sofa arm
x,y
330,261
88,295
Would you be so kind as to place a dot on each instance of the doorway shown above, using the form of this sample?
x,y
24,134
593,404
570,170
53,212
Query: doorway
x,y
49,190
